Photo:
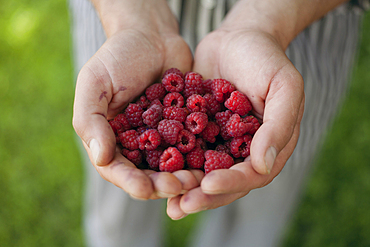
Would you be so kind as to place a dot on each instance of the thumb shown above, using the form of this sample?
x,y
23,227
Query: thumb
x,y
282,114
89,115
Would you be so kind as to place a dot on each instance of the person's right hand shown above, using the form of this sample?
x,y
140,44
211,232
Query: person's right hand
x,y
134,55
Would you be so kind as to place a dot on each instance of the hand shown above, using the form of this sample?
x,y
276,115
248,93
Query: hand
x,y
129,61
257,65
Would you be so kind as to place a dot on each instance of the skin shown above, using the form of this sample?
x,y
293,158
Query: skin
x,y
248,50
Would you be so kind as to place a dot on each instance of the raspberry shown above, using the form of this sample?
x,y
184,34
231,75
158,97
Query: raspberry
x,y
141,129
196,103
196,122
212,105
156,102
152,116
169,130
134,156
171,160
173,82
238,103
149,140
193,84
133,114
123,120
221,119
155,91
174,113
255,124
185,141
129,139
217,160
224,148
143,102
210,132
152,157
117,128
240,146
173,99
195,158
199,142
237,126
222,89
207,86
173,71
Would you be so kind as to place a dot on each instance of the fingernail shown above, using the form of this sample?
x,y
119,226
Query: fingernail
x,y
95,149
164,195
270,158
183,216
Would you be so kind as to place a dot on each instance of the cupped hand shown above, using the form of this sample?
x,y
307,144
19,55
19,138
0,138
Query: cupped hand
x,y
257,65
128,62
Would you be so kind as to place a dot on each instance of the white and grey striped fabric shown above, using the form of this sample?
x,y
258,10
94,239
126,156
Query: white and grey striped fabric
x,y
323,53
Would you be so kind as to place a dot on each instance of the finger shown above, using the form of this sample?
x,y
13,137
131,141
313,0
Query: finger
x,y
283,105
188,179
89,115
166,184
195,201
173,208
122,173
239,178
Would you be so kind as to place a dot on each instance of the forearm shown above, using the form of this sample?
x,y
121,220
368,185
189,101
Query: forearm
x,y
144,15
283,19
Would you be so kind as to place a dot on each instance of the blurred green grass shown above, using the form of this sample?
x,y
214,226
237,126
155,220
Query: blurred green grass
x,y
41,180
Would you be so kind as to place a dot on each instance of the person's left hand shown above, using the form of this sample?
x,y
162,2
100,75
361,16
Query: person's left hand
x,y
256,64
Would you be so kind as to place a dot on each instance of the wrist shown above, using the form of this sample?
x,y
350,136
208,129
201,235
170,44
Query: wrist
x,y
283,19
143,15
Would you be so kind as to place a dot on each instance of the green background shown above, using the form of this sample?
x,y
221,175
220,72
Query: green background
x,y
41,178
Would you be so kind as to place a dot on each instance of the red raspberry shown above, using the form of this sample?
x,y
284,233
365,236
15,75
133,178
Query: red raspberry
x,y
212,104
199,142
152,116
171,160
173,99
255,124
210,132
152,157
185,141
142,129
207,86
134,156
117,128
169,130
173,71
133,114
149,140
173,83
238,103
196,122
240,146
217,160
196,103
123,120
193,84
222,89
129,139
237,126
225,148
195,158
143,102
155,91
221,119
174,113
156,102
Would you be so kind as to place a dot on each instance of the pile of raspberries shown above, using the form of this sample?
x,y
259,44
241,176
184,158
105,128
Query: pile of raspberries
x,y
185,122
